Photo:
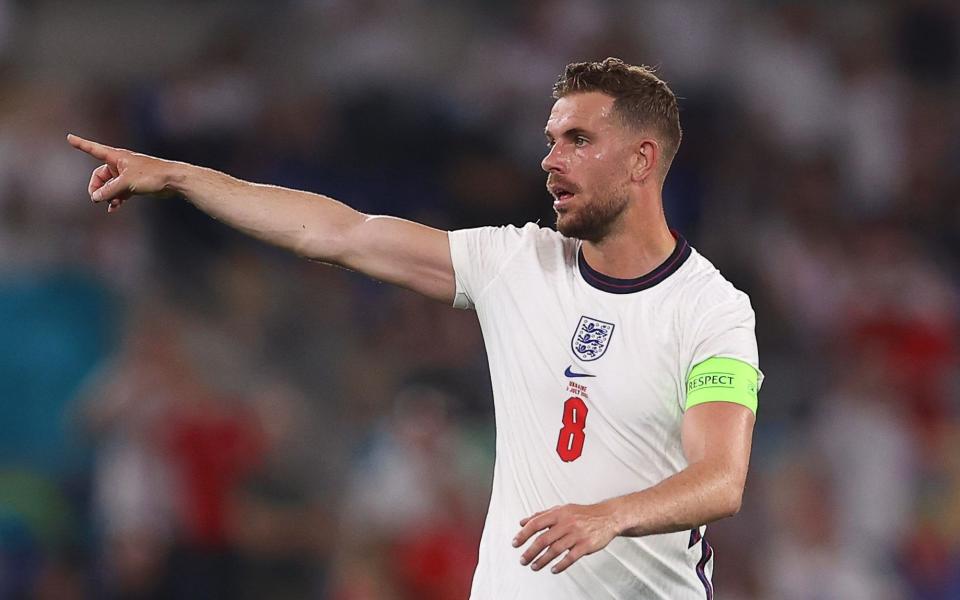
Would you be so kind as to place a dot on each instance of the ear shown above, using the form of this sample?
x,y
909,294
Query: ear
x,y
646,160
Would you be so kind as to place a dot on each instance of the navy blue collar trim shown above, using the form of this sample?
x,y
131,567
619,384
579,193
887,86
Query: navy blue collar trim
x,y
680,254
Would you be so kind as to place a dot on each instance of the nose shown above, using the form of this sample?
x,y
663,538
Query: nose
x,y
553,162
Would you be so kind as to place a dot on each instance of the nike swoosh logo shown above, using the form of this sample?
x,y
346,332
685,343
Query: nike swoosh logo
x,y
569,373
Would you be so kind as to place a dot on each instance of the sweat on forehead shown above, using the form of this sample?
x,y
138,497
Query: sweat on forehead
x,y
587,110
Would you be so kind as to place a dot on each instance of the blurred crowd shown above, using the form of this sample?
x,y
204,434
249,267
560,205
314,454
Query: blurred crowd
x,y
187,413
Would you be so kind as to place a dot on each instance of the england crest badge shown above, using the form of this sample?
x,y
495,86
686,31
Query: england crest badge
x,y
591,338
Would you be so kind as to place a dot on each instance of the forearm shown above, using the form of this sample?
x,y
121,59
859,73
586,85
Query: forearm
x,y
701,493
309,224
392,250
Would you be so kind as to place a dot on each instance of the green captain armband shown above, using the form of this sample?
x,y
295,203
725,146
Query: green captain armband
x,y
720,379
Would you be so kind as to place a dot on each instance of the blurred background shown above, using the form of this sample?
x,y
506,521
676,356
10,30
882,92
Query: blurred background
x,y
186,413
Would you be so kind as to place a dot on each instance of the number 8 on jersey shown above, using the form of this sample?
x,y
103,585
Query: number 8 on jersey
x,y
570,443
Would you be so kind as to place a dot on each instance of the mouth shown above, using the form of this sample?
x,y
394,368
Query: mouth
x,y
562,193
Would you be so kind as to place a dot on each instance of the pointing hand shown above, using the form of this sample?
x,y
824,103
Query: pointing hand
x,y
123,174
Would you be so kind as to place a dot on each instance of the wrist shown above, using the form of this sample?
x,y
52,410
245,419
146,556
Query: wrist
x,y
616,515
177,178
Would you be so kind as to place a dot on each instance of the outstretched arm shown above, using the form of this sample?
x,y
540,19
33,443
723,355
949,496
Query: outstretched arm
x,y
716,440
314,226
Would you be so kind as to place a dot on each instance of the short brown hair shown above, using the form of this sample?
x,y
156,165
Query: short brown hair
x,y
641,99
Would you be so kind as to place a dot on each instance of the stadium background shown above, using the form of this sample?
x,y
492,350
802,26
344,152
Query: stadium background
x,y
187,413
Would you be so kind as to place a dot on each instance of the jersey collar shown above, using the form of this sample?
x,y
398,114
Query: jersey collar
x,y
613,285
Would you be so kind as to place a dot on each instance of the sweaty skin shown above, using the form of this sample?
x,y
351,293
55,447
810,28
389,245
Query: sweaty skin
x,y
617,178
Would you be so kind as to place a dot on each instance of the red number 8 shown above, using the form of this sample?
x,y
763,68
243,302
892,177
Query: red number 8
x,y
570,443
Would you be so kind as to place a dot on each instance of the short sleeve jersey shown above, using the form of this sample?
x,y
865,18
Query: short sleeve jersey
x,y
589,380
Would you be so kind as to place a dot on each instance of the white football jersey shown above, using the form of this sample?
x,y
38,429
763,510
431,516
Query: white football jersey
x,y
589,381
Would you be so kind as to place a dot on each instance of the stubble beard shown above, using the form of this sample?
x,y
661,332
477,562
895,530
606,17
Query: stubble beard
x,y
593,221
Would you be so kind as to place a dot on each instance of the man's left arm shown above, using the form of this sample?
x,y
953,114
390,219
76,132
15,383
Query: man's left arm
x,y
716,440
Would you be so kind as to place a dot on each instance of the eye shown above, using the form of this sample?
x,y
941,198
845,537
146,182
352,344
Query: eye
x,y
550,143
580,141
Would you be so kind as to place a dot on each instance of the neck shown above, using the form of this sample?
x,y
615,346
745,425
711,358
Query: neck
x,y
635,246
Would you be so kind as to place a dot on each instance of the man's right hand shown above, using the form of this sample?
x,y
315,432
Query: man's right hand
x,y
124,173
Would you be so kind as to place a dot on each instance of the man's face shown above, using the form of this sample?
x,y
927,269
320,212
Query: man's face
x,y
588,165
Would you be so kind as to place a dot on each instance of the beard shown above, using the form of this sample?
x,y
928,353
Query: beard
x,y
592,220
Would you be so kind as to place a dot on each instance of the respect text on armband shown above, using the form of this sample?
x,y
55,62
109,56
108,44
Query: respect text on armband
x,y
710,380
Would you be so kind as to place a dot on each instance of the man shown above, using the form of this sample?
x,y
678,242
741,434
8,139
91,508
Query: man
x,y
624,366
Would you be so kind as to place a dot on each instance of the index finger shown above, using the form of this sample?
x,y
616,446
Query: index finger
x,y
94,149
524,520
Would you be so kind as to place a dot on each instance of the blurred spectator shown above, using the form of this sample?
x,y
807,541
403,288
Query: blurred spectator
x,y
902,311
279,517
873,483
134,490
805,559
784,76
411,492
213,443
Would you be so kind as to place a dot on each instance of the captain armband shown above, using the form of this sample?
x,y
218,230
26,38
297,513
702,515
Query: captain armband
x,y
719,379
